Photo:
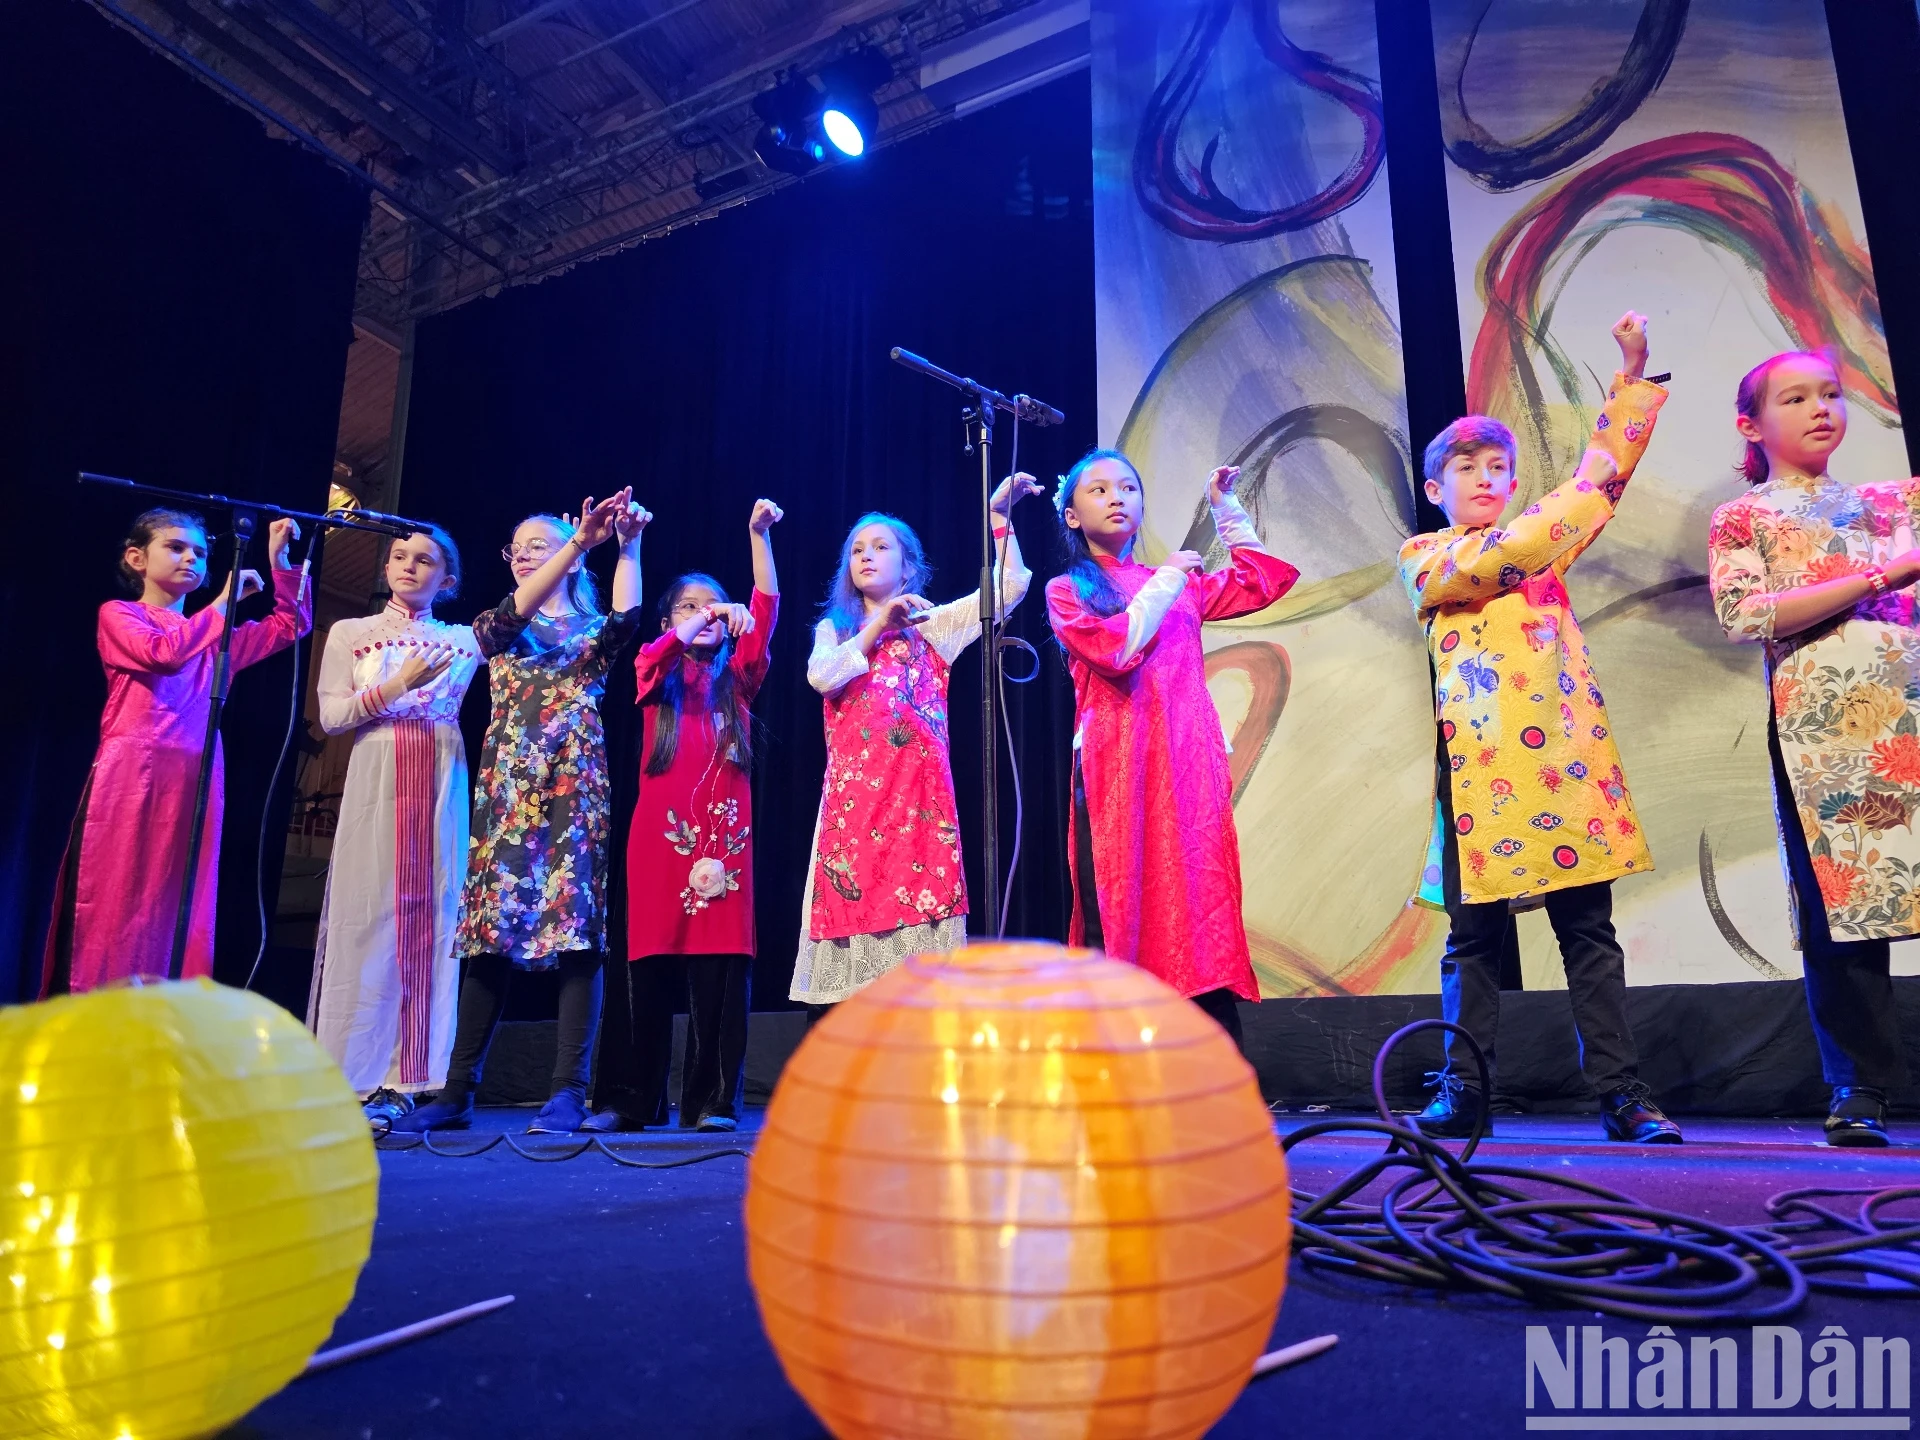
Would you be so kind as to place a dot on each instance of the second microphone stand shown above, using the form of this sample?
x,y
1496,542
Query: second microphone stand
x,y
982,401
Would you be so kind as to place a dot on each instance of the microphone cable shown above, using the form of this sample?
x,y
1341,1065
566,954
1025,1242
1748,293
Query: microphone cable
x,y
286,745
1003,642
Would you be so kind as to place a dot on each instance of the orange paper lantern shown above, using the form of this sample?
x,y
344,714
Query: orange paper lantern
x,y
1018,1190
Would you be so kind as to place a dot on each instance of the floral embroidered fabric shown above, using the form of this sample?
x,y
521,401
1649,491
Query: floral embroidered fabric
x,y
542,809
1846,693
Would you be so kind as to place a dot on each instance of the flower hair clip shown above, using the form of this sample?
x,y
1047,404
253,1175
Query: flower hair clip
x,y
1062,494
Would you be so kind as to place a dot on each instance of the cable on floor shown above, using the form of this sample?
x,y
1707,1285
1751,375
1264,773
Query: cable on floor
x,y
386,1140
1447,1223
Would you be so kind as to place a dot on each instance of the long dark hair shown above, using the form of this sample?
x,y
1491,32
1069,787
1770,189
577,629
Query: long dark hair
x,y
146,525
726,700
1089,576
1751,398
844,605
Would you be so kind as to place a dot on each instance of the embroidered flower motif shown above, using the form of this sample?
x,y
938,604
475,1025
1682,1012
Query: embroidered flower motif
x,y
1832,567
1576,769
1898,760
1732,527
1507,847
1874,812
1547,820
1552,779
708,878
1836,881
683,835
1868,712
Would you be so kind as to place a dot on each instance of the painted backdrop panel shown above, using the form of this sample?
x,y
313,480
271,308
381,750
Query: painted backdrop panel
x,y
1690,161
1247,315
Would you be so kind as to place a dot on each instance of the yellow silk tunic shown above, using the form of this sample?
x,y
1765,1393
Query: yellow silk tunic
x,y
1540,802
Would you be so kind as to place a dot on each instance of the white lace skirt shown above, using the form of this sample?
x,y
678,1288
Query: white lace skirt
x,y
827,971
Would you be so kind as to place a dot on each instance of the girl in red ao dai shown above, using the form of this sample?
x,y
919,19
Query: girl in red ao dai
x,y
690,928
886,879
1152,795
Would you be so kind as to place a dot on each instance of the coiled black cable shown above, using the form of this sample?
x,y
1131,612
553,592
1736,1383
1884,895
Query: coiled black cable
x,y
1446,1223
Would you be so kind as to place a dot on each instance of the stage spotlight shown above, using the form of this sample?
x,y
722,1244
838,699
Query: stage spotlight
x,y
847,122
808,122
849,118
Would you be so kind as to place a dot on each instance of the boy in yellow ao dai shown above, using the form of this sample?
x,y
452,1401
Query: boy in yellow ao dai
x,y
1531,797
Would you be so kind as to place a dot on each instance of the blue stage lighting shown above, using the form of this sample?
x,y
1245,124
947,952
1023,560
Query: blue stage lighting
x,y
843,131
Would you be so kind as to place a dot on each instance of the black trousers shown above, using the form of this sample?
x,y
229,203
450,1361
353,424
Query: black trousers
x,y
1849,986
483,997
1477,943
1222,1004
636,1057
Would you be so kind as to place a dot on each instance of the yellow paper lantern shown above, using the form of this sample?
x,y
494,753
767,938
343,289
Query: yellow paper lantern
x,y
187,1192
1018,1190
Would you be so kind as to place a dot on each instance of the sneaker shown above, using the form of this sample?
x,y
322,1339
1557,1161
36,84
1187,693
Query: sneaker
x,y
562,1115
1455,1110
1857,1117
440,1113
608,1122
1629,1114
713,1123
384,1107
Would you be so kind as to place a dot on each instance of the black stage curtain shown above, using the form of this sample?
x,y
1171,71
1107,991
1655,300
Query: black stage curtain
x,y
747,357
179,292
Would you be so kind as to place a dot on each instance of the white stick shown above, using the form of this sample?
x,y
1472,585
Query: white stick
x,y
1293,1354
374,1344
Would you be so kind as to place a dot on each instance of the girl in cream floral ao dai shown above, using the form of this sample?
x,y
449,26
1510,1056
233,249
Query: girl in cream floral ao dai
x,y
1821,574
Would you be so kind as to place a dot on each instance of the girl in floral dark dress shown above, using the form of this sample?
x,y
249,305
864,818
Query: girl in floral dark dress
x,y
536,892
690,930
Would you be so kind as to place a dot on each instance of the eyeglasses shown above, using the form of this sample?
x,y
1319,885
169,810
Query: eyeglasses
x,y
533,550
689,607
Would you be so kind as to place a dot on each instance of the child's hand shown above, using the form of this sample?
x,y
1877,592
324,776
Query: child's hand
x,y
1012,490
1596,468
597,521
280,535
737,618
1220,483
1191,561
631,521
765,516
899,611
424,666
1631,333
249,585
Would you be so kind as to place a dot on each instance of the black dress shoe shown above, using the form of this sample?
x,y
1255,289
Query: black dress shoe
x,y
1629,1114
609,1122
1454,1111
443,1112
1857,1117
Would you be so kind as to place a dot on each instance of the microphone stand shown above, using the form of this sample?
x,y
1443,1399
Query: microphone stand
x,y
246,516
978,417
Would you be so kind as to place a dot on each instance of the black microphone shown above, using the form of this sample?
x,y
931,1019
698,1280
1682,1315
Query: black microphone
x,y
399,522
1037,412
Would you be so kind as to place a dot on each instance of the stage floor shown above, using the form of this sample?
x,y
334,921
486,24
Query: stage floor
x,y
634,1317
